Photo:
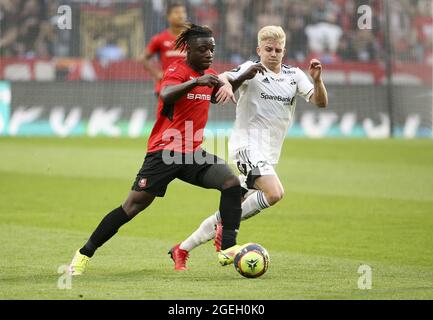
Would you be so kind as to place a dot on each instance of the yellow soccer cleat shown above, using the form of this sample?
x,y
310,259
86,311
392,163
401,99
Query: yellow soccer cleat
x,y
226,257
78,264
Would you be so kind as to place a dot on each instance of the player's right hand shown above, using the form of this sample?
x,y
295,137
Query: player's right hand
x,y
225,94
252,71
209,80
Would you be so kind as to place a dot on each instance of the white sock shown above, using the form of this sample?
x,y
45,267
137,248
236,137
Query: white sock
x,y
252,205
203,234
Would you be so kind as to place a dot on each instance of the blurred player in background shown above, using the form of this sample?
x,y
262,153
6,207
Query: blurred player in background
x,y
266,106
163,43
174,149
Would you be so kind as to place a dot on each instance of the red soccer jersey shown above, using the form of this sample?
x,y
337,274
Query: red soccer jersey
x,y
163,45
179,127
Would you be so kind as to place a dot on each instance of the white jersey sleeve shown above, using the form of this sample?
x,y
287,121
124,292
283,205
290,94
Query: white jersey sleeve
x,y
305,88
237,72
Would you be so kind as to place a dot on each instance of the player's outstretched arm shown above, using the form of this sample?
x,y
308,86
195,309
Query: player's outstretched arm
x,y
247,75
320,95
225,92
169,94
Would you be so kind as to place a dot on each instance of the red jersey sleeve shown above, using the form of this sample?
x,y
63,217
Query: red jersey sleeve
x,y
174,75
154,45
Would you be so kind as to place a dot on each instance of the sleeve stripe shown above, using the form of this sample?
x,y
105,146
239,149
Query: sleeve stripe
x,y
309,94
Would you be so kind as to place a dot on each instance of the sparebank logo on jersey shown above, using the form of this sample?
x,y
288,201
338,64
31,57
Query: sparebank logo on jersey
x,y
285,100
192,96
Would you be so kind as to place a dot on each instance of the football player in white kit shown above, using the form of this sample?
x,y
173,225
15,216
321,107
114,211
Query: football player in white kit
x,y
268,91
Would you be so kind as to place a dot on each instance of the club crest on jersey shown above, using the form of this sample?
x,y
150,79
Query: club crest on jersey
x,y
286,71
142,183
198,96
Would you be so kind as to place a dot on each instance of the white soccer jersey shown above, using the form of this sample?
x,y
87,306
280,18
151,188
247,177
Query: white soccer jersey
x,y
265,109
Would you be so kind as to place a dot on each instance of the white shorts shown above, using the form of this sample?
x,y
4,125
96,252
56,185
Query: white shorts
x,y
252,164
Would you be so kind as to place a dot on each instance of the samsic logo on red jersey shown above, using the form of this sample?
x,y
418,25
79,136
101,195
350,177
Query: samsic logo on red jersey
x,y
192,96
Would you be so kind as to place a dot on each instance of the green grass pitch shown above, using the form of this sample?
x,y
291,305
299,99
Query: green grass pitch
x,y
347,203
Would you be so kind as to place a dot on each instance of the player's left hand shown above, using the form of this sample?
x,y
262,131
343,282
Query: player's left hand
x,y
225,94
315,70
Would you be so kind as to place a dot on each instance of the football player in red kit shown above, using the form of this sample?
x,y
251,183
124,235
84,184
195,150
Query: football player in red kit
x,y
163,43
174,151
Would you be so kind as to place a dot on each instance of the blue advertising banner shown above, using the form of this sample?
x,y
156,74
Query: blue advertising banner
x,y
128,109
5,106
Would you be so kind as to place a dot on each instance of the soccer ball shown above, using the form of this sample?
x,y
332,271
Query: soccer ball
x,y
252,261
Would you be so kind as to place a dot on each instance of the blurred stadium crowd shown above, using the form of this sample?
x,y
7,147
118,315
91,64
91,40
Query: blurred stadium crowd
x,y
327,29
27,29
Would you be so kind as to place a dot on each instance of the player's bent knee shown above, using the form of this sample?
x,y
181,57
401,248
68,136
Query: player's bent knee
x,y
232,181
274,197
132,209
137,202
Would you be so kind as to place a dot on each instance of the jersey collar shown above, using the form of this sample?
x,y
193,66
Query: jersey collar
x,y
270,71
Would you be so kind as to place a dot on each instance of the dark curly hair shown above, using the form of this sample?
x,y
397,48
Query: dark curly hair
x,y
192,31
